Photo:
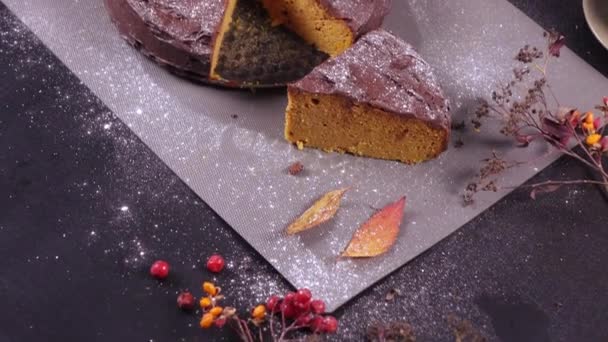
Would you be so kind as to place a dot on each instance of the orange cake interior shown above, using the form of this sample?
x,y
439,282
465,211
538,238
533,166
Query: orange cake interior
x,y
311,21
336,123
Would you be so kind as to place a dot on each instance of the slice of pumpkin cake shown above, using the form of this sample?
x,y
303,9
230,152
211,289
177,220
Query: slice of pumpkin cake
x,y
378,99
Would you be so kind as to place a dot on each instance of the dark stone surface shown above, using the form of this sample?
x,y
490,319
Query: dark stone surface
x,y
72,265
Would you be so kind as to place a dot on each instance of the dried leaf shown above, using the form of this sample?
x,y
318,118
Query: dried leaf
x,y
321,211
543,189
378,234
597,123
563,113
524,140
559,132
604,144
556,42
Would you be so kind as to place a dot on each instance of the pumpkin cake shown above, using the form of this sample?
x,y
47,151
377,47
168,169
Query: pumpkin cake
x,y
378,99
331,25
244,43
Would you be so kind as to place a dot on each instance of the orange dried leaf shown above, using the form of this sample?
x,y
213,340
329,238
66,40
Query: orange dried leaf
x,y
378,234
321,211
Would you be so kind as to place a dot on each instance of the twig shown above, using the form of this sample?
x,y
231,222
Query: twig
x,y
526,116
271,323
572,182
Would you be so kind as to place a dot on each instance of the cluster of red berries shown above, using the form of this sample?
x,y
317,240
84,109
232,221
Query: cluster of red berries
x,y
298,307
304,310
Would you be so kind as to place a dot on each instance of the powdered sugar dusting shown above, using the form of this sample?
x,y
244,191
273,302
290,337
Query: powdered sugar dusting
x,y
192,24
386,72
361,15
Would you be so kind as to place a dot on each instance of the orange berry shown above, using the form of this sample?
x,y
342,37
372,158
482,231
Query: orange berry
x,y
593,139
209,288
207,321
259,312
589,127
205,302
589,118
216,311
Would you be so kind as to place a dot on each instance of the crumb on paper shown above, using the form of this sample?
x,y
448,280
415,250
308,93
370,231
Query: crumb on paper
x,y
295,168
458,126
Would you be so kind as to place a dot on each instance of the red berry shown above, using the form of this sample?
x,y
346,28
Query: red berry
x,y
316,324
215,263
220,322
273,303
288,310
185,301
289,297
317,306
159,269
303,296
302,308
304,320
330,324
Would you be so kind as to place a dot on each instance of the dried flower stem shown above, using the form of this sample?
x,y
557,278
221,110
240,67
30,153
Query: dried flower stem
x,y
527,117
546,183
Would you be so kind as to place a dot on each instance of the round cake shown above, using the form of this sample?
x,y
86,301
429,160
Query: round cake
x,y
244,43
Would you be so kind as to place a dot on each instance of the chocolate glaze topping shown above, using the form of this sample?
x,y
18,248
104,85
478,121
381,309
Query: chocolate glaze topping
x,y
180,34
176,33
361,15
385,72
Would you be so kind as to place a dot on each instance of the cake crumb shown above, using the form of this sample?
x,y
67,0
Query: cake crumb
x,y
459,126
392,293
295,168
458,143
234,116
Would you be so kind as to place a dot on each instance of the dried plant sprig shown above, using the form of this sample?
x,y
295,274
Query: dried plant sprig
x,y
529,111
275,320
464,331
393,331
486,180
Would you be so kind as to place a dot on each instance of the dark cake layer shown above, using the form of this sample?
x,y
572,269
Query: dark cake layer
x,y
253,52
